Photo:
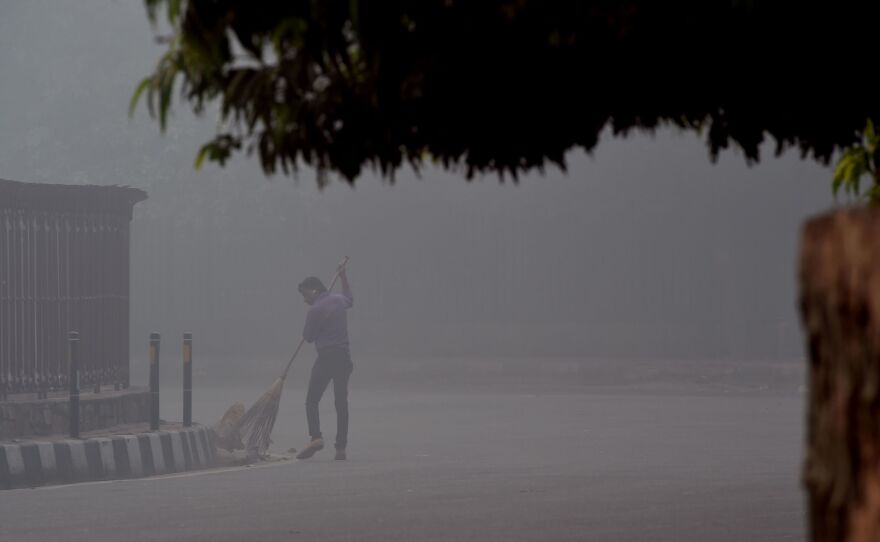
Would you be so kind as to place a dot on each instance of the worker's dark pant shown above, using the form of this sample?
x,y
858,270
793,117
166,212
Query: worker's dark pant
x,y
333,363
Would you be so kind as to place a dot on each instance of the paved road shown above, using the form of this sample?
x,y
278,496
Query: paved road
x,y
471,466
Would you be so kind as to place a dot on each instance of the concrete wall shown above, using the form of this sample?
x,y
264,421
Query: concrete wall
x,y
26,418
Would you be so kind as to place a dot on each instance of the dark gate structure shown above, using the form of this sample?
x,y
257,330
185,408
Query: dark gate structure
x,y
64,266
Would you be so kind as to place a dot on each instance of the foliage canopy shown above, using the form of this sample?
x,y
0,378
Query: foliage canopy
x,y
508,85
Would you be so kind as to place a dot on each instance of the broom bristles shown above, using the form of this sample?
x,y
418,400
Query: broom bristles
x,y
255,427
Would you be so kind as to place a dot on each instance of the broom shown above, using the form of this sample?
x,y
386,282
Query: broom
x,y
255,426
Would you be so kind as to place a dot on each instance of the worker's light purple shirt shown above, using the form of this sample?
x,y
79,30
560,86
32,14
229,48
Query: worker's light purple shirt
x,y
327,322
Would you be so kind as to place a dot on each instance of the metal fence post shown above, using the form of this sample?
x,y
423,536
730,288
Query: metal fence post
x,y
73,358
187,379
154,381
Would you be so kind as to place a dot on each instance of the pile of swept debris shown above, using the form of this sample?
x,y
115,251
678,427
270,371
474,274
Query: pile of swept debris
x,y
231,451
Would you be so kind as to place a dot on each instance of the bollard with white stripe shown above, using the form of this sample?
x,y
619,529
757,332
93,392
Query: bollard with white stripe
x,y
154,381
73,358
187,379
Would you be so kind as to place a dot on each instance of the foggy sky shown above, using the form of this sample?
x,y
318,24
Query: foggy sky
x,y
643,250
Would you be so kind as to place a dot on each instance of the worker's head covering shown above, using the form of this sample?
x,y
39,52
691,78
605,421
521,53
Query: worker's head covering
x,y
312,283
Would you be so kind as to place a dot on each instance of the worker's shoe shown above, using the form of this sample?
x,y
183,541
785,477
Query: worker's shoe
x,y
340,454
316,445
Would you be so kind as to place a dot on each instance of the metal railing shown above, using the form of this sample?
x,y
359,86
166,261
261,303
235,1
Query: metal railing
x,y
64,265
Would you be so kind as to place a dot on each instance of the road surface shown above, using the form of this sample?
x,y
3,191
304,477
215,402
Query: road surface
x,y
470,465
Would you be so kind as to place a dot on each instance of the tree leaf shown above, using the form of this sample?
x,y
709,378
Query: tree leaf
x,y
144,85
203,153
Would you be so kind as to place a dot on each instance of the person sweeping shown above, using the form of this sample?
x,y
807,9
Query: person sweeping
x,y
327,327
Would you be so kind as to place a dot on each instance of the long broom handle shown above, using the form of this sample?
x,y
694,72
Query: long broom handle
x,y
303,340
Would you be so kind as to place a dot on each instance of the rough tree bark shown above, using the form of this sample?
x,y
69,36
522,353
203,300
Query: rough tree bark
x,y
840,308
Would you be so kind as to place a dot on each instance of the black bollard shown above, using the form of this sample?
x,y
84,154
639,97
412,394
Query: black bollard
x,y
187,379
73,366
154,381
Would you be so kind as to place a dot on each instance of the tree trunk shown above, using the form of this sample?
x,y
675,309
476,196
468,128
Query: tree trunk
x,y
840,308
